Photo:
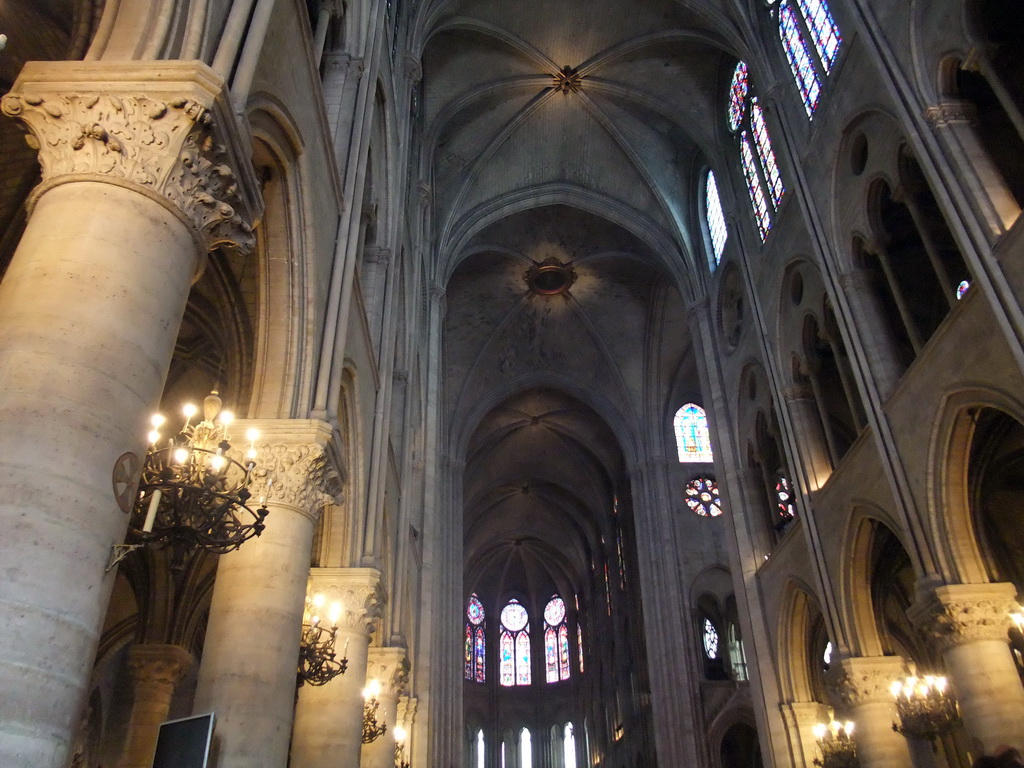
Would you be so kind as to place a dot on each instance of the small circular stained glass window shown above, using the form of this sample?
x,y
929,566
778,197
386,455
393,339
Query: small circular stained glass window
x,y
710,640
702,497
475,611
514,616
554,611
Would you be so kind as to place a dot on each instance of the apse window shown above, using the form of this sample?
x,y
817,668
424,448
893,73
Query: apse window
x,y
556,641
701,495
514,645
811,39
710,640
717,230
475,651
693,438
785,504
961,290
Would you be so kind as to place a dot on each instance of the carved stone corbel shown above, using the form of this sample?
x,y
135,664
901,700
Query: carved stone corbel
x,y
359,591
957,614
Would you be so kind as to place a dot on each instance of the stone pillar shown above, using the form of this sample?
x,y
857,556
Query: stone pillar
x,y
800,718
809,433
390,667
876,336
406,719
860,686
328,718
968,625
156,671
137,162
247,676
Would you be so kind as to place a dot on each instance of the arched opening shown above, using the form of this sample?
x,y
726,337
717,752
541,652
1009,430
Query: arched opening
x,y
893,583
739,747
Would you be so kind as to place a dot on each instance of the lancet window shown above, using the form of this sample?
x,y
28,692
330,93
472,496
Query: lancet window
x,y
514,645
717,230
693,438
556,641
811,39
476,641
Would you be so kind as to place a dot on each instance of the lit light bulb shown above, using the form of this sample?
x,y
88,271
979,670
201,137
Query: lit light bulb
x,y
189,410
318,599
848,727
400,733
819,731
226,417
896,688
252,435
216,462
940,684
153,437
157,420
335,613
372,689
181,455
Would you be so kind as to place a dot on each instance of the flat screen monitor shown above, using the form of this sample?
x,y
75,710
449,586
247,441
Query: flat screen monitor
x,y
184,743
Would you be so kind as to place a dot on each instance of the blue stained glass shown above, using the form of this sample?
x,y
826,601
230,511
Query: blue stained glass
x,y
800,63
824,31
693,438
757,197
738,95
563,652
765,153
469,653
507,659
523,658
480,656
962,289
550,655
716,218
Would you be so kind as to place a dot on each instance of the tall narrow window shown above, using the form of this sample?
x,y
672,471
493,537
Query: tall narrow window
x,y
514,645
693,438
525,749
765,153
480,756
579,633
715,216
475,641
738,89
757,197
800,63
569,747
556,641
824,31
810,63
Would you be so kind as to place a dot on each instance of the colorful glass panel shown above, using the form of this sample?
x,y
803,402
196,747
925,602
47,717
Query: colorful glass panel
x,y
579,644
475,611
469,653
523,658
710,639
480,648
716,217
765,153
550,655
554,611
563,652
962,289
507,663
693,438
784,496
799,57
514,616
702,497
738,90
754,189
824,31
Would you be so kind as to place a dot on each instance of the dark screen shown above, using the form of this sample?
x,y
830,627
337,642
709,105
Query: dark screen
x,y
184,743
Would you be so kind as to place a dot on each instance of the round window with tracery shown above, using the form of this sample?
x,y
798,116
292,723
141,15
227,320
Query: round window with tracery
x,y
554,611
702,497
514,616
475,612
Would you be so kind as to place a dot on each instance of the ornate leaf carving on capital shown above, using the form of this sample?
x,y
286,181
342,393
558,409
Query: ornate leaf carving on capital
x,y
166,145
947,621
951,112
391,667
362,598
298,475
160,665
858,681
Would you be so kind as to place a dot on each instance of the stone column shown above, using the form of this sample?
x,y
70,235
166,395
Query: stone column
x,y
809,434
406,719
137,162
800,718
156,671
876,337
390,667
968,624
247,676
328,718
860,686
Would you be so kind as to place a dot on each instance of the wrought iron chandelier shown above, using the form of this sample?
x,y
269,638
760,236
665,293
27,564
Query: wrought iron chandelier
x,y
318,664
836,744
400,736
925,709
372,730
192,493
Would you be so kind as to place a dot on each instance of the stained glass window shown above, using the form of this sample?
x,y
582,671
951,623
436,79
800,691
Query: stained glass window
x,y
475,641
757,197
693,438
556,641
710,640
738,95
480,755
824,31
702,497
569,747
765,153
579,644
716,217
826,656
962,289
799,57
514,645
784,497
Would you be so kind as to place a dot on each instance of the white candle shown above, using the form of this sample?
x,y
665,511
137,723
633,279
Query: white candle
x,y
154,504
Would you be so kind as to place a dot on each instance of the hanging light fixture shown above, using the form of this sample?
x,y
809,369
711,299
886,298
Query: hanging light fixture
x,y
317,662
926,709
371,729
836,744
192,493
400,736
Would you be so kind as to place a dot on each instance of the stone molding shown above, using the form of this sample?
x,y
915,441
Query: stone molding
x,y
866,679
293,464
951,112
796,392
164,128
407,711
390,666
359,590
159,665
958,614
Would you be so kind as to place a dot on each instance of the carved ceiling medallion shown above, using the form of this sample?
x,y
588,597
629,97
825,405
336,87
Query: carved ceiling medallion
x,y
550,277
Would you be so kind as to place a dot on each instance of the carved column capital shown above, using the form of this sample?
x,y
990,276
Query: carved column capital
x,y
159,665
359,591
390,666
950,112
862,680
958,614
795,392
294,465
163,128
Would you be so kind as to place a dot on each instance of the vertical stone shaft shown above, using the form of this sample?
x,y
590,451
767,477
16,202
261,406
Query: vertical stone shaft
x,y
156,671
89,312
390,667
861,685
329,718
247,676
